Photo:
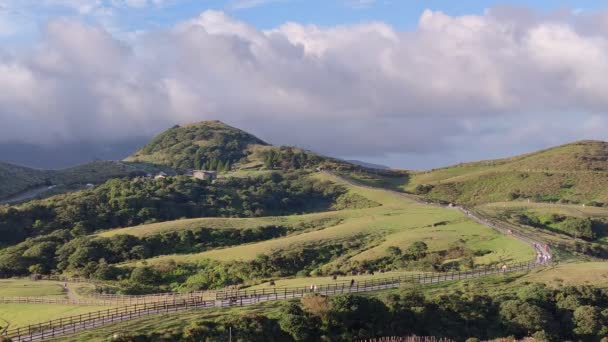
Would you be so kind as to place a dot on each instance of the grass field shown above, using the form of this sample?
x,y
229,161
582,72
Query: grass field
x,y
576,273
307,281
28,288
576,210
170,322
399,221
18,315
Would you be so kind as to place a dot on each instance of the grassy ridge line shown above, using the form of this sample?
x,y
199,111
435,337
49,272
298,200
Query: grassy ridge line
x,y
574,172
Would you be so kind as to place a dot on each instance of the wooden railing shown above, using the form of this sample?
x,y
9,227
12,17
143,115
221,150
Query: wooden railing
x,y
111,299
408,339
227,298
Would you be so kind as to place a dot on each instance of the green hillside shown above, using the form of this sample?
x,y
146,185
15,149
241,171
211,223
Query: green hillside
x,y
16,179
571,173
203,145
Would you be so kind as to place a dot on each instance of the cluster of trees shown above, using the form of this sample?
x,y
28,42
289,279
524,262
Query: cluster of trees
x,y
213,164
417,256
212,274
93,256
584,228
180,147
287,158
129,202
569,313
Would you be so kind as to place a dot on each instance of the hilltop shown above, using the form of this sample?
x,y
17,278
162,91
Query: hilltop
x,y
575,173
202,145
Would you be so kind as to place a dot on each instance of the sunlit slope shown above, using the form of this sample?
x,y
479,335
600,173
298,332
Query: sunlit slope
x,y
576,172
399,222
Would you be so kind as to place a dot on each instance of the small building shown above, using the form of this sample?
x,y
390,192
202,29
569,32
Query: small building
x,y
204,175
160,175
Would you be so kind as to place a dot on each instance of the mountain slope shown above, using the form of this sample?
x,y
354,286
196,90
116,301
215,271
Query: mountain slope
x,y
576,172
197,146
15,179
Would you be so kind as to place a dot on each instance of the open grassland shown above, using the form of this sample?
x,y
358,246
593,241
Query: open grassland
x,y
294,221
18,315
399,221
576,273
171,322
576,210
574,172
28,288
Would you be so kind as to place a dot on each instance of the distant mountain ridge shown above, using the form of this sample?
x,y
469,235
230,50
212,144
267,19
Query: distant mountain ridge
x,y
15,179
368,165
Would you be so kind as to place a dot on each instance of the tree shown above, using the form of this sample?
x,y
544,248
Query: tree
x,y
523,318
299,325
418,249
394,251
144,275
317,305
357,316
587,320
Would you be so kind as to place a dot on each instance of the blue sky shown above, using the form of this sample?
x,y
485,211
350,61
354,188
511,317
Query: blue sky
x,y
263,14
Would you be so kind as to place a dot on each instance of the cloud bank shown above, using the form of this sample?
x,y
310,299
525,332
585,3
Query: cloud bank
x,y
509,76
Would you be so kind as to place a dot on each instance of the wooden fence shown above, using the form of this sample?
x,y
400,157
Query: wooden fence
x,y
111,300
408,339
227,298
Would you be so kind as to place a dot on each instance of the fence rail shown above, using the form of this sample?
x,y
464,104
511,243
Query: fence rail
x,y
408,339
227,298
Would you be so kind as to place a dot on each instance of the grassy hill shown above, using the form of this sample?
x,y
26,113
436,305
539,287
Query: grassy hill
x,y
201,145
571,173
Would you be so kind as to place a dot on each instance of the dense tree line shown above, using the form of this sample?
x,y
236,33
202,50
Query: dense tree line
x,y
91,256
129,202
568,313
287,158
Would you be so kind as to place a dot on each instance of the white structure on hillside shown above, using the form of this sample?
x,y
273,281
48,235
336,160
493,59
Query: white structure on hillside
x,y
160,175
204,175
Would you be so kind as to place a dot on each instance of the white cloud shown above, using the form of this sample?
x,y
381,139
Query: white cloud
x,y
351,90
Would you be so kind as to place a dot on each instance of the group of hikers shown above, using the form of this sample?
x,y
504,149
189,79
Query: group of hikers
x,y
314,288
